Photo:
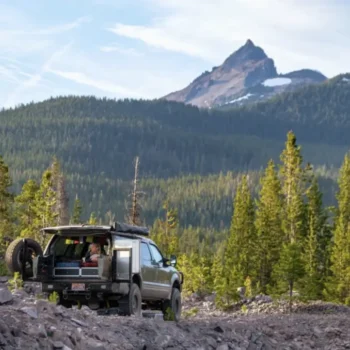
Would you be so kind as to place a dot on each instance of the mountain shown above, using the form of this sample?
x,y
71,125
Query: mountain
x,y
183,149
247,76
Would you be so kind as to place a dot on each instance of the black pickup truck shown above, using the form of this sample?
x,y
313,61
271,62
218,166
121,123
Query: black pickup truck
x,y
129,272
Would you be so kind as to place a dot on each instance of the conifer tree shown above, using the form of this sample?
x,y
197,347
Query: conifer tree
x,y
293,177
59,186
45,204
92,219
164,231
315,247
6,205
241,246
26,210
290,268
339,287
219,280
269,226
77,211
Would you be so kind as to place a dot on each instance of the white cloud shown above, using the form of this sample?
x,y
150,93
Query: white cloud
x,y
57,29
211,30
122,50
104,85
28,40
155,37
34,80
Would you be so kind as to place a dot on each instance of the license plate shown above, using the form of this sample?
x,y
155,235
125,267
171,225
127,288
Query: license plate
x,y
78,286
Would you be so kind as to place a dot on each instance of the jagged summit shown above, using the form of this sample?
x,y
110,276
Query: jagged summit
x,y
247,75
248,52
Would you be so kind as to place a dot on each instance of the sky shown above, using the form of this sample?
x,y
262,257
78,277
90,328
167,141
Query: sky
x,y
149,48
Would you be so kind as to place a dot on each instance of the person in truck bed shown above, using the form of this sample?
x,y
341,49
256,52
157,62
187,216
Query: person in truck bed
x,y
93,253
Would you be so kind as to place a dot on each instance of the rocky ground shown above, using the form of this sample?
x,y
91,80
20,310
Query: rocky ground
x,y
30,323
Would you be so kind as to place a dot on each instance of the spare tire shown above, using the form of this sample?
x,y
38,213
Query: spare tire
x,y
14,255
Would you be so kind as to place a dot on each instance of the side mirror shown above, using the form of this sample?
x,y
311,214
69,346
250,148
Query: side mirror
x,y
173,260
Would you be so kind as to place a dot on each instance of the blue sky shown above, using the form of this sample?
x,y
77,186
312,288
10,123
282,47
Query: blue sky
x,y
148,48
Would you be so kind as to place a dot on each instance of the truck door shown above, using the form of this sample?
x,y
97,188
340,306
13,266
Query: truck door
x,y
163,275
148,273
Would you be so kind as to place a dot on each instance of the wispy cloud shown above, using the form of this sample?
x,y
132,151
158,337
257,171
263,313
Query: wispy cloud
x,y
56,29
35,79
155,37
104,85
33,40
211,30
129,51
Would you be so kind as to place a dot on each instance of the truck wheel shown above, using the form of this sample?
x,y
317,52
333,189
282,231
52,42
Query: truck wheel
x,y
14,255
174,304
132,303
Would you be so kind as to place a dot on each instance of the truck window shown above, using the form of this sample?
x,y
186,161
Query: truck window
x,y
157,256
146,258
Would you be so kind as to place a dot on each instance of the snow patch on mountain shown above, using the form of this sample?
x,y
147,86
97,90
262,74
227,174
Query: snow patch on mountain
x,y
276,82
245,97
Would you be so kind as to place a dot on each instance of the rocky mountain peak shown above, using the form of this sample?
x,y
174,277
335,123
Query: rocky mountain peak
x,y
247,52
247,75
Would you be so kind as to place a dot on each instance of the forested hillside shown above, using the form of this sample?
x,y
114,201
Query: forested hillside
x,y
281,235
182,149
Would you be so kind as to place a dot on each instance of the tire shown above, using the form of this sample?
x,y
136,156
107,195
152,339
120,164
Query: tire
x,y
174,304
14,255
132,303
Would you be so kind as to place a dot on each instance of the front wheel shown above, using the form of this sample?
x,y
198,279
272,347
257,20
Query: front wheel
x,y
172,307
132,303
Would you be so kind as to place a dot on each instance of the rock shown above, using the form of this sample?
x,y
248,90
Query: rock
x,y
163,340
194,297
3,279
93,345
57,345
211,297
80,323
223,347
31,311
241,291
42,331
218,329
211,342
5,296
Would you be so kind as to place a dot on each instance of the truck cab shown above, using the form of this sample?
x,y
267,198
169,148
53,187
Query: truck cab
x,y
129,271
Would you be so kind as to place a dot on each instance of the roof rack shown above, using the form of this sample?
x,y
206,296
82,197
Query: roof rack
x,y
133,229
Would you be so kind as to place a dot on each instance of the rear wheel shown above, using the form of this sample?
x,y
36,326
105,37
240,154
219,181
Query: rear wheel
x,y
14,256
132,303
172,308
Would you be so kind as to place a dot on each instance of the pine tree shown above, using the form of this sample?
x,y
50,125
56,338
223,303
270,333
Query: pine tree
x,y
59,186
290,268
316,244
241,246
92,219
77,211
293,181
6,205
219,280
133,215
26,210
45,204
164,231
339,287
269,226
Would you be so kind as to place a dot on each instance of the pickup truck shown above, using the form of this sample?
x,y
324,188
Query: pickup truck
x,y
130,273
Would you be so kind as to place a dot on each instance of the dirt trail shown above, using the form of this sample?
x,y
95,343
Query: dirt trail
x,y
29,323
